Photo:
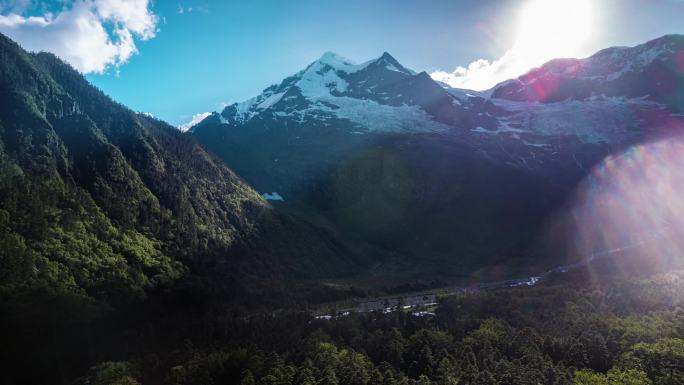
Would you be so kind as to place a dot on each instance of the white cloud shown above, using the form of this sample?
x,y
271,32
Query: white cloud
x,y
80,33
482,74
195,119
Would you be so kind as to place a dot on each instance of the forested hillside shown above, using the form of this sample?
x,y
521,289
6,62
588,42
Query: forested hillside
x,y
107,214
101,201
96,198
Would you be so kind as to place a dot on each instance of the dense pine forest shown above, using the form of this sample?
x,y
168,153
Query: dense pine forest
x,y
571,330
617,333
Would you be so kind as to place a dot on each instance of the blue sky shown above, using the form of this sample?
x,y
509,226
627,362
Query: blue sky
x,y
178,58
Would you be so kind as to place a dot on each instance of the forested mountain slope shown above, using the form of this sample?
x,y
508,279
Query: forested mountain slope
x,y
110,219
99,201
98,198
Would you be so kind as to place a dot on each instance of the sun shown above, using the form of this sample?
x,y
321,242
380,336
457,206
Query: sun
x,y
550,29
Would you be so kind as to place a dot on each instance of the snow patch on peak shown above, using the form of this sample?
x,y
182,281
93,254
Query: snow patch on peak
x,y
221,118
392,64
316,82
243,108
392,67
339,63
334,60
270,101
246,110
197,118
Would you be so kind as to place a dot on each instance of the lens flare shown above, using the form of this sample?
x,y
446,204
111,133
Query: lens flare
x,y
631,208
679,61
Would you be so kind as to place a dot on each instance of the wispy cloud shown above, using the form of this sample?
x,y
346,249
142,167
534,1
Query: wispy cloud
x,y
190,9
91,35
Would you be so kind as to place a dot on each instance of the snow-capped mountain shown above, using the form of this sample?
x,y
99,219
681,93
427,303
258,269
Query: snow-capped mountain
x,y
614,98
611,97
382,154
378,95
652,70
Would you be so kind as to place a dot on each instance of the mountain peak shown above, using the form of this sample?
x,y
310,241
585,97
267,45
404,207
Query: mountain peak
x,y
386,55
329,57
340,63
337,62
392,64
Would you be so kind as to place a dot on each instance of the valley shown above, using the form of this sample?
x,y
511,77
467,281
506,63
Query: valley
x,y
352,224
424,302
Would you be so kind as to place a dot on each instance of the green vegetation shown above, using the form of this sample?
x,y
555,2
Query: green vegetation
x,y
613,377
98,200
111,220
603,333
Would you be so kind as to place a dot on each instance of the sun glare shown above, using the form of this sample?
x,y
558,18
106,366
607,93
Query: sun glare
x,y
629,208
549,29
546,30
